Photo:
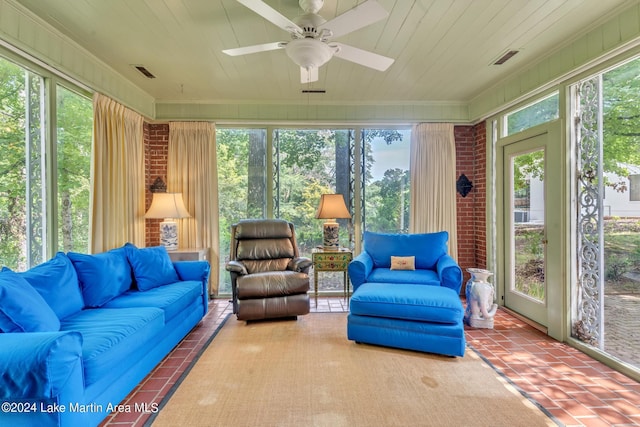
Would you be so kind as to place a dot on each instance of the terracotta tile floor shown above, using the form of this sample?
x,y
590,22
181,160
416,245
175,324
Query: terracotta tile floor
x,y
574,388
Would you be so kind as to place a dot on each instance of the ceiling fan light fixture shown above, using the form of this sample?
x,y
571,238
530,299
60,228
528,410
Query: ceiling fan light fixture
x,y
309,53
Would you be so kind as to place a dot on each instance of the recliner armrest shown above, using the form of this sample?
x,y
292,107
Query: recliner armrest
x,y
449,273
300,264
236,267
359,269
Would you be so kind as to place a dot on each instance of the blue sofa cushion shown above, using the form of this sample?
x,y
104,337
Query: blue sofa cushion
x,y
386,275
22,308
171,298
427,248
102,276
152,266
424,303
56,280
111,335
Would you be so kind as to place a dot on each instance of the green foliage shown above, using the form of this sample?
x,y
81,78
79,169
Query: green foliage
x,y
12,165
527,166
388,202
73,149
621,118
617,266
533,243
22,212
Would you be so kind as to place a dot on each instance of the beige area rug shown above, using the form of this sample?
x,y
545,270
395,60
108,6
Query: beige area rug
x,y
306,373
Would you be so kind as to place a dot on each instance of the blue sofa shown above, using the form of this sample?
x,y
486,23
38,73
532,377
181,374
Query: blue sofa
x,y
406,294
79,332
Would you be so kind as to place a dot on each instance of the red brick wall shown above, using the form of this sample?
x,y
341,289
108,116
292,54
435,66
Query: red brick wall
x,y
471,161
480,195
465,209
156,148
471,210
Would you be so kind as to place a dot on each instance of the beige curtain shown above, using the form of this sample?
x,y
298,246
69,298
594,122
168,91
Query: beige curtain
x,y
117,175
192,171
433,181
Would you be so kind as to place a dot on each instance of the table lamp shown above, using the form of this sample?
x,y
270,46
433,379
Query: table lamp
x,y
168,206
331,207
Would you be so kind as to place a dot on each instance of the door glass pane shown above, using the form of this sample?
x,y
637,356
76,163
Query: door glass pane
x,y
241,155
74,130
528,230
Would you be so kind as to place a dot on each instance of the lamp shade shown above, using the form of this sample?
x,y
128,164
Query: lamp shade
x,y
167,205
332,206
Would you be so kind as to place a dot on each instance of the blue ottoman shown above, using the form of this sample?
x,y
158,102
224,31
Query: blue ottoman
x,y
409,316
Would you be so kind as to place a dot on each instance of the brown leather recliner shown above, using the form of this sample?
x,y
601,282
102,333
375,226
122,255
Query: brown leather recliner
x,y
268,277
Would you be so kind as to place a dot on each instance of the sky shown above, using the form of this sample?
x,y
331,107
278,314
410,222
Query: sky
x,y
395,155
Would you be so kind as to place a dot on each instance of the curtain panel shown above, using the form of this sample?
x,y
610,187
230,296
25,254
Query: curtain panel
x,y
192,171
117,176
433,181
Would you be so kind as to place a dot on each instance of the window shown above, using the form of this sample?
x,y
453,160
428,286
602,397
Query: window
x,y
309,163
28,230
241,155
542,111
607,161
306,163
73,149
386,182
22,193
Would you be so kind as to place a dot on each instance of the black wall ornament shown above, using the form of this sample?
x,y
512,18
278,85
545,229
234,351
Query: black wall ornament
x,y
463,185
158,186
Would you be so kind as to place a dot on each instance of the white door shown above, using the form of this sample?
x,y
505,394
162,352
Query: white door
x,y
529,210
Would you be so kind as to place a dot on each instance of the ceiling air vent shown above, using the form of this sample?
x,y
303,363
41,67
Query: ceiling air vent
x,y
507,56
144,71
314,91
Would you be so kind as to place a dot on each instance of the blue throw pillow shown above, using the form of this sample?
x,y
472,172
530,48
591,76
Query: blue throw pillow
x,y
22,308
102,276
56,280
426,247
152,266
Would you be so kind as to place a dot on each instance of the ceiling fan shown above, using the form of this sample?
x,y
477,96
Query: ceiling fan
x,y
312,44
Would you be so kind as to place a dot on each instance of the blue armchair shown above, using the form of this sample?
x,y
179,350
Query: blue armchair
x,y
433,265
406,294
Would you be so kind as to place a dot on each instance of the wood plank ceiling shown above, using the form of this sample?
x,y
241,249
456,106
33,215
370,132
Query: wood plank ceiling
x,y
444,50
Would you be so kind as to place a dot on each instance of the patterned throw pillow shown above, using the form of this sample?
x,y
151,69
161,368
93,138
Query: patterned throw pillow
x,y
403,262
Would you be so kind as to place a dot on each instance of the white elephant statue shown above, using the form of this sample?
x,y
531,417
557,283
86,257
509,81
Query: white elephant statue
x,y
480,309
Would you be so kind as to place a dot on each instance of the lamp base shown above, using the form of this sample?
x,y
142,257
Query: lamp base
x,y
330,235
169,235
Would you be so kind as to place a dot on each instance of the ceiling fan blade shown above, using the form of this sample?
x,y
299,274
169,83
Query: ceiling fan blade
x,y
359,17
253,49
363,57
309,75
271,15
